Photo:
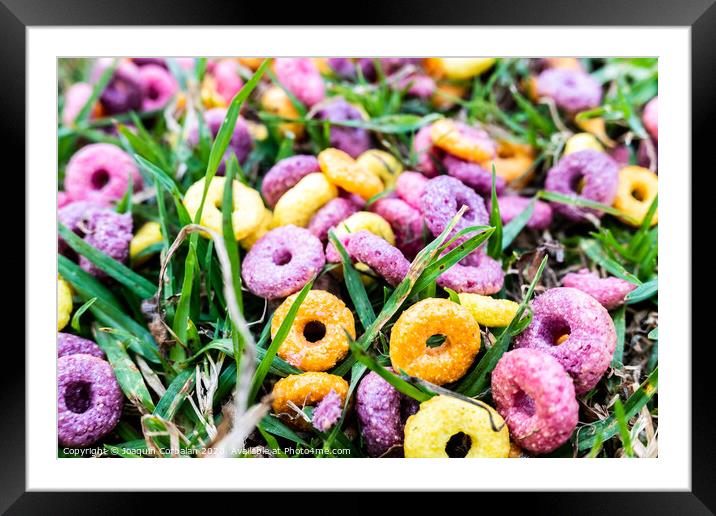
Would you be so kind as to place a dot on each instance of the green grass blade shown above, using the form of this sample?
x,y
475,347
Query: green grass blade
x,y
97,90
643,292
594,251
620,327
78,313
495,245
623,428
177,392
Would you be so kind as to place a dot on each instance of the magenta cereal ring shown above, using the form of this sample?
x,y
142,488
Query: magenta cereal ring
x,y
512,205
572,90
477,273
301,77
410,187
473,175
374,251
109,232
328,411
650,117
100,172
330,215
406,221
89,400
382,412
536,397
282,262
440,202
428,156
354,141
610,292
240,143
68,344
587,174
158,86
285,174
588,349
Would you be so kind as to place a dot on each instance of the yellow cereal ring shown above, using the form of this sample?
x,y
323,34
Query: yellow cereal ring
x,y
582,141
513,163
64,303
428,431
382,164
443,364
298,204
447,136
637,189
489,311
458,67
344,171
597,127
209,96
306,389
317,338
257,131
149,234
248,242
275,100
369,221
248,207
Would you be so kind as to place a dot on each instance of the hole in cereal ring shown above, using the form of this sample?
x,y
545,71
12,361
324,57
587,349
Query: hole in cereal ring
x,y
282,257
314,331
505,152
436,340
458,445
555,330
78,396
638,193
152,93
577,183
461,201
100,178
524,404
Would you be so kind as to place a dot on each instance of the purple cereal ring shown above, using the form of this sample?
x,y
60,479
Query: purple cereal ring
x,y
68,344
89,400
240,143
588,350
610,292
351,140
382,412
301,77
123,92
440,202
410,187
384,259
406,221
144,61
477,273
282,262
428,156
109,232
342,66
100,172
536,397
572,90
512,205
473,175
158,87
651,117
330,215
327,412
621,155
587,174
415,84
285,174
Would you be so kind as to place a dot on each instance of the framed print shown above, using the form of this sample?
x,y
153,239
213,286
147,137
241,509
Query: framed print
x,y
383,246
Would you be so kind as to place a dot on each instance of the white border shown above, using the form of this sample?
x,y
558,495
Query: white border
x,y
670,471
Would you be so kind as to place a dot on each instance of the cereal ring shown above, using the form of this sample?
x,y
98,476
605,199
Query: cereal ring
x,y
64,303
76,97
89,400
406,221
463,141
109,232
443,364
264,227
610,292
447,94
442,198
459,67
373,251
535,395
513,162
582,141
158,87
588,350
477,273
68,344
586,174
73,215
427,155
298,204
414,84
488,311
361,220
227,79
123,92
410,187
330,215
352,140
240,144
248,208
327,412
429,432
343,67
317,338
343,171
382,164
572,90
282,262
650,117
306,389
146,236
301,77
276,101
382,412
637,189
100,172
512,205
285,174
473,175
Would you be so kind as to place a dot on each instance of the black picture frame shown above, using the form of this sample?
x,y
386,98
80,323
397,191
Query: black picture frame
x,y
699,15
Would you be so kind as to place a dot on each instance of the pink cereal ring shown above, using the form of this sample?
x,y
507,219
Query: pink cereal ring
x,y
427,154
410,186
477,273
75,99
228,81
374,251
158,86
610,292
330,215
406,221
301,77
535,395
512,205
588,349
651,117
100,172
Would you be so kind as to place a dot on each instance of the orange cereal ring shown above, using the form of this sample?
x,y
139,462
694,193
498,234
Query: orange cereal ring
x,y
276,101
442,364
446,94
513,162
468,143
306,389
344,171
636,191
317,338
